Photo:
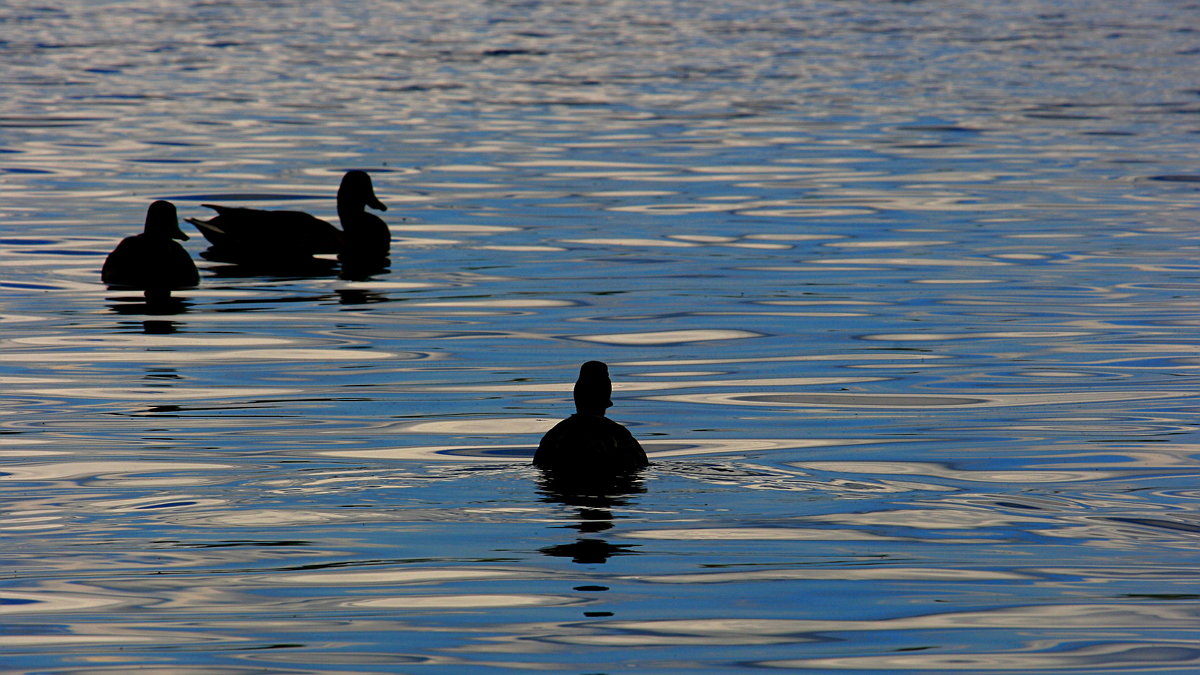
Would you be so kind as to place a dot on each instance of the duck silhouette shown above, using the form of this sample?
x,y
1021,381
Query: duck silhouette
x,y
588,443
152,261
258,237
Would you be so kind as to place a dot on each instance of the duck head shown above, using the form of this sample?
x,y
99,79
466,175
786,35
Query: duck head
x,y
163,221
593,389
356,191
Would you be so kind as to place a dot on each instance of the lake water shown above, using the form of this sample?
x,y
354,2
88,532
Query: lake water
x,y
900,297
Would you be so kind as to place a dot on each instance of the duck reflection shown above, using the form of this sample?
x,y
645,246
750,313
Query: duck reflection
x,y
301,268
594,499
360,296
158,327
358,266
158,306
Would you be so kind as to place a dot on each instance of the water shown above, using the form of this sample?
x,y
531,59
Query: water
x,y
900,298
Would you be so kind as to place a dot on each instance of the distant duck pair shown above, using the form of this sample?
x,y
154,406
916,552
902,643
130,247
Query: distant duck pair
x,y
154,263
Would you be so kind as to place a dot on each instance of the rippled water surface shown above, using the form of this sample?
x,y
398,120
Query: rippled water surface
x,y
901,299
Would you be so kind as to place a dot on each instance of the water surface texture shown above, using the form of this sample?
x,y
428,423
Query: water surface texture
x,y
900,297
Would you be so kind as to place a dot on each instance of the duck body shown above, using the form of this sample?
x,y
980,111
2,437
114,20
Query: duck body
x,y
267,237
247,235
588,443
152,261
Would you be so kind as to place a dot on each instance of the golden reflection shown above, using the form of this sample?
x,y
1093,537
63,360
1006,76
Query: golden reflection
x,y
521,249
55,600
33,521
522,453
669,337
249,517
628,241
142,340
674,384
888,244
104,470
933,519
398,242
1141,655
501,303
479,601
1178,455
26,641
576,162
421,575
783,236
456,228
952,282
945,471
155,393
509,425
21,318
883,573
894,357
455,453
921,262
941,337
758,533
914,401
216,355
1084,616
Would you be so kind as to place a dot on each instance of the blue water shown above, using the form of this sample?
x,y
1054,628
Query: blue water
x,y
900,298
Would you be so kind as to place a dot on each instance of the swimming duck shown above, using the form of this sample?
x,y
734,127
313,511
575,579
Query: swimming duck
x,y
588,441
261,237
152,261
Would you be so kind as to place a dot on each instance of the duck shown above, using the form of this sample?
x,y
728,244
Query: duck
x,y
152,261
266,238
588,442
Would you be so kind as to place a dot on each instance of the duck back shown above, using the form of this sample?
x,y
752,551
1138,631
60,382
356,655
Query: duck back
x,y
589,443
257,234
149,263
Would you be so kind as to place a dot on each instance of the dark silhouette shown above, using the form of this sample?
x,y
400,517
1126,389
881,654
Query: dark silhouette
x,y
588,445
257,238
593,496
589,551
152,262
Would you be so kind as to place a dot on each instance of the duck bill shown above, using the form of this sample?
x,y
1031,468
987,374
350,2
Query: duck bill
x,y
373,202
177,233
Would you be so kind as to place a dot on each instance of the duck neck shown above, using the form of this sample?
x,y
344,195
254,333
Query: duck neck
x,y
348,215
589,411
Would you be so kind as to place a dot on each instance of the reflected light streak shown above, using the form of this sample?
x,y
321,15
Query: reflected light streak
x,y
757,534
667,337
504,453
424,575
1115,656
480,601
928,469
914,401
168,356
842,574
772,359
158,393
673,384
100,469
1054,617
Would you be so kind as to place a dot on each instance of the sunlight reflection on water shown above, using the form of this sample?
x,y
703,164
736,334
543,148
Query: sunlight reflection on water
x,y
900,302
